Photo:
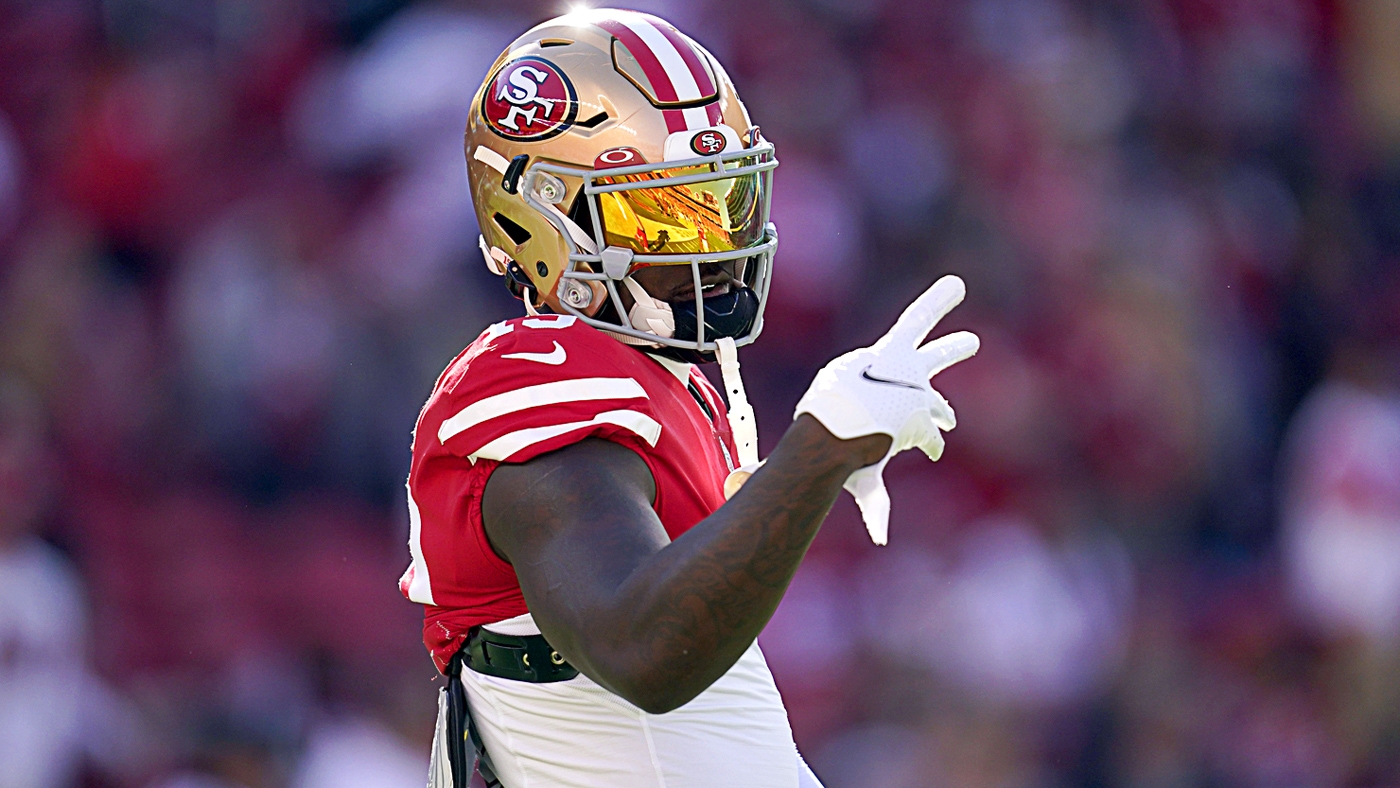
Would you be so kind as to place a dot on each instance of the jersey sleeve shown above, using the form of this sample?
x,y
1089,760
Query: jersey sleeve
x,y
534,385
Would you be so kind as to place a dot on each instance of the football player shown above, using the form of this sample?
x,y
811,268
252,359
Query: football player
x,y
590,594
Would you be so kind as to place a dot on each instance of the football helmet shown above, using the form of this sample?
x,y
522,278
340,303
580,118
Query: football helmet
x,y
605,141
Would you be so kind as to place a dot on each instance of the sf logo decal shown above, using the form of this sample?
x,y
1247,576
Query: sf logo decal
x,y
529,99
708,143
523,91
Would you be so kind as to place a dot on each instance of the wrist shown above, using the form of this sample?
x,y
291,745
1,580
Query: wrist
x,y
844,456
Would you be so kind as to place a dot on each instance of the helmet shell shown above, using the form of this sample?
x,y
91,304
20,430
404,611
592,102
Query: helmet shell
x,y
567,91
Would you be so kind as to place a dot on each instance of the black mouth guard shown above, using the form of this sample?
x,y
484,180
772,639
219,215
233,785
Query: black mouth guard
x,y
731,314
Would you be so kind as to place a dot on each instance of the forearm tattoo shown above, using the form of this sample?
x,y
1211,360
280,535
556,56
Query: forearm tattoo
x,y
727,575
663,620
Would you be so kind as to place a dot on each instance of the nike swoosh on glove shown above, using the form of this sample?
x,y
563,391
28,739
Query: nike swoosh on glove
x,y
884,389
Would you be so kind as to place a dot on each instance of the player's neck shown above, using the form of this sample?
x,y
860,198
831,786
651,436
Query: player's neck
x,y
678,368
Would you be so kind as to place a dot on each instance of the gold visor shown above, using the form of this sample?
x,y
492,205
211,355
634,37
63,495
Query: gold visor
x,y
719,215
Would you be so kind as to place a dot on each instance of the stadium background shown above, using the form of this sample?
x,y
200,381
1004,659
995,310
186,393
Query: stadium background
x,y
1163,548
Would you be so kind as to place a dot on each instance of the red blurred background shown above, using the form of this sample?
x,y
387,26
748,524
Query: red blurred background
x,y
1163,548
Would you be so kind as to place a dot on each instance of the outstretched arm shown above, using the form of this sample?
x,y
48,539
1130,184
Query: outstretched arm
x,y
652,620
657,621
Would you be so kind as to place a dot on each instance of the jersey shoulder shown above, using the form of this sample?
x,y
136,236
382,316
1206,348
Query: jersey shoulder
x,y
535,384
532,349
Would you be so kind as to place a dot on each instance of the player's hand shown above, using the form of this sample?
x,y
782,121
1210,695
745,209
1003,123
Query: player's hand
x,y
884,389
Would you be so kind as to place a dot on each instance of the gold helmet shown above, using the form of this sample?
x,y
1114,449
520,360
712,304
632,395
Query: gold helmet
x,y
605,141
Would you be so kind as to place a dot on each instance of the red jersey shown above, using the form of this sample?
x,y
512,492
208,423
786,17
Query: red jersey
x,y
523,388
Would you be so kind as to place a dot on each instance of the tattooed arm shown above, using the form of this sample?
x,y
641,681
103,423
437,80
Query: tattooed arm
x,y
652,620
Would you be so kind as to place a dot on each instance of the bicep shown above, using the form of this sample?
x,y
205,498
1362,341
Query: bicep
x,y
574,523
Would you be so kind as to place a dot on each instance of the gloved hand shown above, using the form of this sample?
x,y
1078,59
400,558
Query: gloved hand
x,y
885,389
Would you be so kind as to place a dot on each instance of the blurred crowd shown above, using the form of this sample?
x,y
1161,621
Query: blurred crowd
x,y
1163,548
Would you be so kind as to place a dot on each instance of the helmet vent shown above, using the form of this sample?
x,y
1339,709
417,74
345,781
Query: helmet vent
x,y
555,42
593,121
518,234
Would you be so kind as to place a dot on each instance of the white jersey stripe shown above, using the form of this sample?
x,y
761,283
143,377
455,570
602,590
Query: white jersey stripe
x,y
676,70
553,393
499,449
420,586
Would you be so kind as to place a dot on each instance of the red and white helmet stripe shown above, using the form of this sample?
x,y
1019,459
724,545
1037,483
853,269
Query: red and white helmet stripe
x,y
672,66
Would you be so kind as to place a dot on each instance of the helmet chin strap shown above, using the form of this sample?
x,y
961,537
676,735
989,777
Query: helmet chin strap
x,y
656,316
577,234
741,418
649,314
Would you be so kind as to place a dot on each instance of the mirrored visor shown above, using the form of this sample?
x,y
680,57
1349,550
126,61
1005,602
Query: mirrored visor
x,y
719,215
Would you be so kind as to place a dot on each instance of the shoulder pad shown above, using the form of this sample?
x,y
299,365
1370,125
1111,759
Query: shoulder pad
x,y
535,384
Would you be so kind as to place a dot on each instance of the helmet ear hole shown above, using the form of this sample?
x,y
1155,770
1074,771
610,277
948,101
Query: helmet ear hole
x,y
517,234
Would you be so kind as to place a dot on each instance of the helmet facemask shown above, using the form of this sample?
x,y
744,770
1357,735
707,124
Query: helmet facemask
x,y
695,212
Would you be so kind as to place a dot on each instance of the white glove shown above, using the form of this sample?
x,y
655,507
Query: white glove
x,y
884,389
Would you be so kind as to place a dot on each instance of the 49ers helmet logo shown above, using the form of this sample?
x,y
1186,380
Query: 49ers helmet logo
x,y
708,143
529,99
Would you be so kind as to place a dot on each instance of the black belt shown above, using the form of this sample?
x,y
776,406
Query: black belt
x,y
528,658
